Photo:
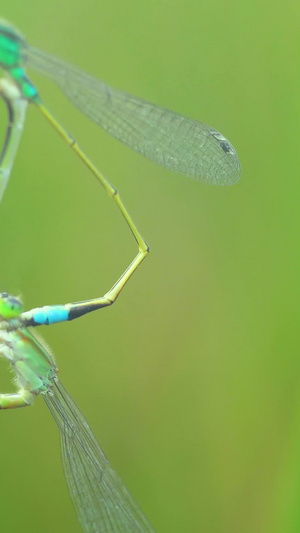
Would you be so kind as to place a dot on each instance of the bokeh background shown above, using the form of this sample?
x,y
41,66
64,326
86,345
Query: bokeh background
x,y
191,381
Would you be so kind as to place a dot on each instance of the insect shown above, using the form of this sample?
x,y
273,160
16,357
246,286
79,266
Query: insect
x,y
172,140
102,501
178,143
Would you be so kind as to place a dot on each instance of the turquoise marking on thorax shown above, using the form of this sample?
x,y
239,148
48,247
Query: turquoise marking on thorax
x,y
51,315
28,90
10,54
11,59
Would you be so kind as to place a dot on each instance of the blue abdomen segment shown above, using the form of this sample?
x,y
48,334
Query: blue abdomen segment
x,y
50,315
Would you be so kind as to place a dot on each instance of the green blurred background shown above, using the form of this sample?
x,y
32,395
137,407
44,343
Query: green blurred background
x,y
191,381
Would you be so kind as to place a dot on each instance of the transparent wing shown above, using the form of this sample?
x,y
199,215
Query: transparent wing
x,y
172,140
102,501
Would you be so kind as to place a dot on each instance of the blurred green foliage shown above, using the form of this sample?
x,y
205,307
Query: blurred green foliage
x,y
191,381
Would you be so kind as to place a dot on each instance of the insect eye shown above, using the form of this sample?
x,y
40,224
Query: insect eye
x,y
10,306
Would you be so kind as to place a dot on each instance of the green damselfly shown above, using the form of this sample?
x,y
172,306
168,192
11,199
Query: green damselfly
x,y
180,144
101,499
172,140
